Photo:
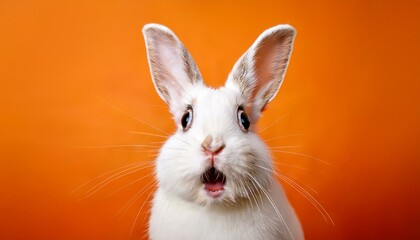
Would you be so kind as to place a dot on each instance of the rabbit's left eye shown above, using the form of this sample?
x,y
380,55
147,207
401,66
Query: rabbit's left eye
x,y
186,119
243,119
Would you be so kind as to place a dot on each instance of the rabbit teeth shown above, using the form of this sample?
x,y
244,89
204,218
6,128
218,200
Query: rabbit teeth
x,y
214,182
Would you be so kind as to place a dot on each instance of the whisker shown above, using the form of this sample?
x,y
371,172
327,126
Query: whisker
x,y
129,184
257,192
130,151
303,192
129,115
272,204
308,196
120,146
249,192
138,213
127,206
148,134
157,106
142,151
303,155
104,174
297,167
281,147
278,137
301,183
265,168
274,123
273,171
114,177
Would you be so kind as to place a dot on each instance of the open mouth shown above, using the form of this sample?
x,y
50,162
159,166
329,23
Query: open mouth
x,y
214,182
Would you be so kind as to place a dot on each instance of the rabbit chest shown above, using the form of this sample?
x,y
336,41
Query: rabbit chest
x,y
173,218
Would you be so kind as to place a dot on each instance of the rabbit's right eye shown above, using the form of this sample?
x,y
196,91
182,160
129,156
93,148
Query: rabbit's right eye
x,y
186,119
243,119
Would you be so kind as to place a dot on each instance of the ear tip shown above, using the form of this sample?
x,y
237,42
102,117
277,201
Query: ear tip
x,y
283,28
290,28
155,27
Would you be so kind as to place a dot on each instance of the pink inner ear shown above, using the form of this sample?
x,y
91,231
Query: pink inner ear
x,y
264,58
270,61
172,67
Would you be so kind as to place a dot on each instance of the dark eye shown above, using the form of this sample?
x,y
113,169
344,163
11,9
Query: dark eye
x,y
186,119
243,120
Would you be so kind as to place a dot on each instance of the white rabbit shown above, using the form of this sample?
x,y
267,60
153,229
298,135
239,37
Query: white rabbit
x,y
215,175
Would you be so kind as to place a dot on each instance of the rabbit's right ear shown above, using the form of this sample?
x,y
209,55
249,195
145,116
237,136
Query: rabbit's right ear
x,y
259,73
173,69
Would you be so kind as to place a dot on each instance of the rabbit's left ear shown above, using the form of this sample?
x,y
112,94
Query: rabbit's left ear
x,y
173,69
259,73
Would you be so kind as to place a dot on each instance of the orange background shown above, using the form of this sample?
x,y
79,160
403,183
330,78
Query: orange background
x,y
74,74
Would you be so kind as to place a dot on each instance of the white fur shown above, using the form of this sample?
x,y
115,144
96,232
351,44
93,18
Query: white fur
x,y
174,218
253,205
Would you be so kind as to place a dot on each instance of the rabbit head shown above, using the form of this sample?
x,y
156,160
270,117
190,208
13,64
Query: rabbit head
x,y
215,156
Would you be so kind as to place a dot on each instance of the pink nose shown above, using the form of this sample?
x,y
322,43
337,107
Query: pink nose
x,y
212,147
213,151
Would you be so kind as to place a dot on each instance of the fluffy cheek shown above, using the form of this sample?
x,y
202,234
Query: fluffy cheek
x,y
178,170
237,168
246,164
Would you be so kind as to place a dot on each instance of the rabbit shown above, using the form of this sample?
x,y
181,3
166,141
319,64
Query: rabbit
x,y
214,174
